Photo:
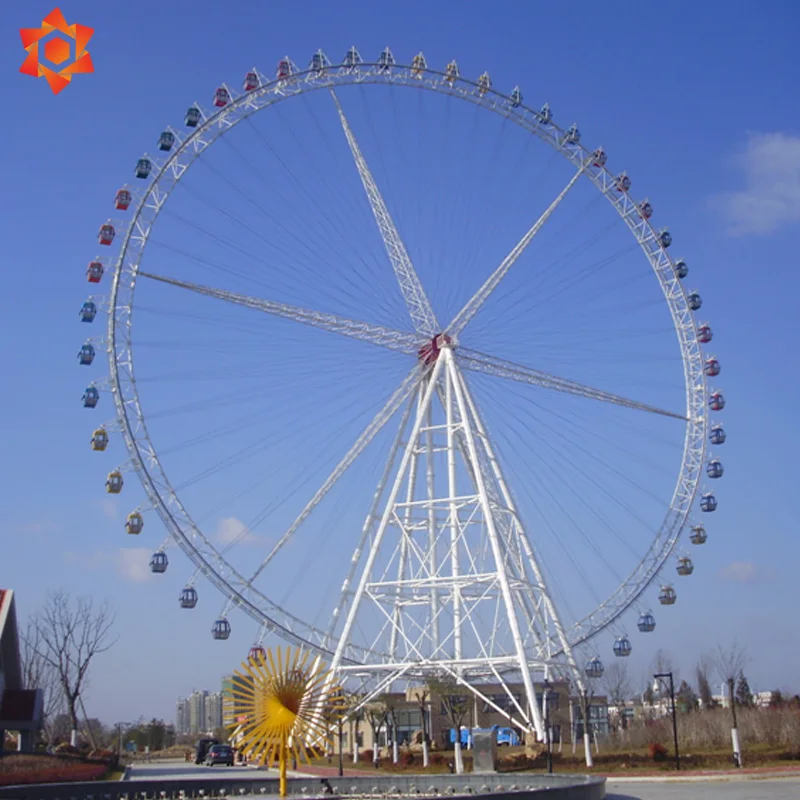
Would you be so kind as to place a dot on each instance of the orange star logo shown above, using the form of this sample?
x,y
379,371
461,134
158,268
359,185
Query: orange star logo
x,y
56,50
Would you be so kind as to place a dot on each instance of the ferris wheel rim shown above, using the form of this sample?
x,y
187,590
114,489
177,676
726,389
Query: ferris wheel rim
x,y
210,562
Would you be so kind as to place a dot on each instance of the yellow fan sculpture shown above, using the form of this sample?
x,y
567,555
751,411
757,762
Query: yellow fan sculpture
x,y
283,705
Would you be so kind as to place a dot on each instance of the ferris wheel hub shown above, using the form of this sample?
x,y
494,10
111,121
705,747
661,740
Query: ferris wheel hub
x,y
429,352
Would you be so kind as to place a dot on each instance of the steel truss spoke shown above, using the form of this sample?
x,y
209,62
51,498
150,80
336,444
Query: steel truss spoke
x,y
367,435
473,305
490,365
364,331
417,301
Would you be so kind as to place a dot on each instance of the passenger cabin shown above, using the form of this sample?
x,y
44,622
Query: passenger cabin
x,y
572,135
716,402
418,65
623,183
714,468
251,81
122,200
545,114
143,168
685,566
667,596
484,84
114,482
192,118
599,157
451,72
352,58
90,397
106,234
665,238
646,209
94,272
222,97
698,535
681,270
717,435
257,654
622,646
284,69
134,523
385,60
188,597
221,629
166,141
694,301
712,367
646,623
704,333
708,503
99,440
159,562
594,668
86,354
88,311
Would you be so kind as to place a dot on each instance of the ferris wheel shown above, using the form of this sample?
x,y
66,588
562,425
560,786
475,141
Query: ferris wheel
x,y
413,381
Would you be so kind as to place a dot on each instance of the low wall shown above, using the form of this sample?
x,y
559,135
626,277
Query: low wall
x,y
516,786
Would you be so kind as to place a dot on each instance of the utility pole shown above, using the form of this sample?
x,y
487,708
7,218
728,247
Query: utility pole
x,y
659,676
737,751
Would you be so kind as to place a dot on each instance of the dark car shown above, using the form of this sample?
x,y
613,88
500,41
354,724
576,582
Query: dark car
x,y
202,749
220,754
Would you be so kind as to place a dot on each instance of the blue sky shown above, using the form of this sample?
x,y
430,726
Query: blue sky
x,y
695,103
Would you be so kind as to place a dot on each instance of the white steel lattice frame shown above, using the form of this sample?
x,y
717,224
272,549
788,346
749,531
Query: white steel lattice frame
x,y
143,457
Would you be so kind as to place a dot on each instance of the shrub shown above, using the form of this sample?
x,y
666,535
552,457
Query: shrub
x,y
367,756
408,758
437,759
657,751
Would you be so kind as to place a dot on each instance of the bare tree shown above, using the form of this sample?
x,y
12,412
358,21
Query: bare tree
x,y
617,686
422,696
376,713
69,635
729,663
38,673
456,701
617,682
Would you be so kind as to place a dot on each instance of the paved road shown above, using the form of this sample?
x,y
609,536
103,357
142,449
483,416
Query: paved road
x,y
747,789
181,770
753,788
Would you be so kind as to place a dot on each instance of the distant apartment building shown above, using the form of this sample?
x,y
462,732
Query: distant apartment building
x,y
213,711
182,717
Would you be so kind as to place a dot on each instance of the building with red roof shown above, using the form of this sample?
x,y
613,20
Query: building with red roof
x,y
20,706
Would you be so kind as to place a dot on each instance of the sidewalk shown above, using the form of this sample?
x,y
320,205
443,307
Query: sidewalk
x,y
754,773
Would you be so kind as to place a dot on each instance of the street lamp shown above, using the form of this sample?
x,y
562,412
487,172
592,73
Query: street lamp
x,y
659,679
548,737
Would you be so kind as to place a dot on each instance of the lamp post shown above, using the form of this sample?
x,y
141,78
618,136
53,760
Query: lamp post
x,y
340,723
548,736
659,679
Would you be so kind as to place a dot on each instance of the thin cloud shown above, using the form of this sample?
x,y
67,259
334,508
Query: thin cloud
x,y
745,572
770,198
130,563
133,564
231,530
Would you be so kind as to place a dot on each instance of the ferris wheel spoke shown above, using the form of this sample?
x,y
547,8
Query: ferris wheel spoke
x,y
400,341
419,306
490,365
367,435
474,304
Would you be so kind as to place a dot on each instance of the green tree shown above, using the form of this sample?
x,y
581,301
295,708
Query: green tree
x,y
686,699
744,697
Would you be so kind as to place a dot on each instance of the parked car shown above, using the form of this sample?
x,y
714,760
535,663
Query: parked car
x,y
201,750
220,754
